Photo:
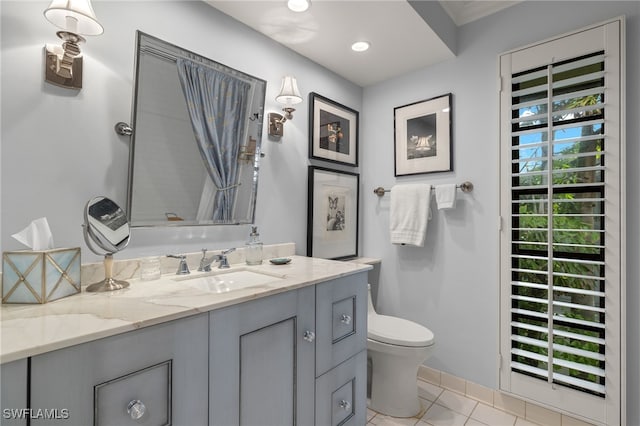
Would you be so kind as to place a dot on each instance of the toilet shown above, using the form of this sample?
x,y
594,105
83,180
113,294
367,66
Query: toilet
x,y
396,348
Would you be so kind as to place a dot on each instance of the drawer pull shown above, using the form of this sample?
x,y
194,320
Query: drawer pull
x,y
345,405
309,336
346,319
136,409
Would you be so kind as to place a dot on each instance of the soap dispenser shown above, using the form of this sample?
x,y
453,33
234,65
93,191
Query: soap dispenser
x,y
253,249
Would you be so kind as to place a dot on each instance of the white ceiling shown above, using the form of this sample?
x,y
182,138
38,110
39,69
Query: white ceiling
x,y
465,11
401,40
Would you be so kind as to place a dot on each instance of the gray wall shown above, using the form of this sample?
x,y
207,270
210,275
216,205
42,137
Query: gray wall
x,y
451,285
59,148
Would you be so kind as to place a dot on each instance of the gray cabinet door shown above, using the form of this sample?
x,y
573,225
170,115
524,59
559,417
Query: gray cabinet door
x,y
341,320
13,393
341,394
164,367
261,365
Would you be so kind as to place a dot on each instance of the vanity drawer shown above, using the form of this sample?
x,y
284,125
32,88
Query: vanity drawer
x,y
343,312
341,320
341,392
140,397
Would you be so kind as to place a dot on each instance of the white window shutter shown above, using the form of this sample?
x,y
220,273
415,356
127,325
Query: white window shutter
x,y
561,180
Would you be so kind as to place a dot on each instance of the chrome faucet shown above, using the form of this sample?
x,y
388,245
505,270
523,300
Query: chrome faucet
x,y
183,268
205,264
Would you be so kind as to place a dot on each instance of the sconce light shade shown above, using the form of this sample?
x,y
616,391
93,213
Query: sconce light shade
x,y
74,16
63,65
289,93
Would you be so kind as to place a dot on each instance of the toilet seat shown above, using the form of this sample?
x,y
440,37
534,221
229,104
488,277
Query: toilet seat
x,y
398,331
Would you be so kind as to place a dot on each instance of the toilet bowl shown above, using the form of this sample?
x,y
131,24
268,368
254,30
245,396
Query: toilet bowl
x,y
396,347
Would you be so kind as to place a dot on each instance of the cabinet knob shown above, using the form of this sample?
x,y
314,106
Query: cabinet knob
x,y
345,405
309,336
136,409
346,319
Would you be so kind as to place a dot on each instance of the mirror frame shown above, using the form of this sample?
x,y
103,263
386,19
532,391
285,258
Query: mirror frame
x,y
259,117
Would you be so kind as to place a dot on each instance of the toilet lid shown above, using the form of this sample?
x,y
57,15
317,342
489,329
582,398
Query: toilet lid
x,y
398,331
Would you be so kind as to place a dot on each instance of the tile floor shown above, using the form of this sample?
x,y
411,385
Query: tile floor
x,y
444,407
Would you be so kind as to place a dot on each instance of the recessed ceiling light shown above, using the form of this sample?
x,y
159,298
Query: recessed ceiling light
x,y
298,5
360,46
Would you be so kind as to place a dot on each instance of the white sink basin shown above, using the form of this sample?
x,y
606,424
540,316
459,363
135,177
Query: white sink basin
x,y
226,281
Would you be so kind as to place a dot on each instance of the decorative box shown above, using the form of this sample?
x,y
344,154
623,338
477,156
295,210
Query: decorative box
x,y
40,276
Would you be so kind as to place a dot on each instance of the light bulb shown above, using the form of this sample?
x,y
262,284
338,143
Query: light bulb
x,y
360,46
298,5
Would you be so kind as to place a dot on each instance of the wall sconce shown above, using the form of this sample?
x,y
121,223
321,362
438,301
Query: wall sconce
x,y
63,64
289,95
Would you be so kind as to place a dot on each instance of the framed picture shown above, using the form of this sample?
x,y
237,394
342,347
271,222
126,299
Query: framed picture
x,y
333,131
423,137
332,216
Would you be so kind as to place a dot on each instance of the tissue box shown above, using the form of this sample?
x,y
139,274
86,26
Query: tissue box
x,y
40,276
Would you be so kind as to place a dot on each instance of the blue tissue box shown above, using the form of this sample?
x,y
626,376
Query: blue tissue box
x,y
40,276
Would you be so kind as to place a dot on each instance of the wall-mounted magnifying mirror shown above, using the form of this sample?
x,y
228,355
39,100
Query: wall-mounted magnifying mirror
x,y
106,226
196,139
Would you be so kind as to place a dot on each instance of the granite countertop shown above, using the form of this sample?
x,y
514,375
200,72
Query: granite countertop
x,y
28,330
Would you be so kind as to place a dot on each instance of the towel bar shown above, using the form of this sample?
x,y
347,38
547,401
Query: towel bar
x,y
464,187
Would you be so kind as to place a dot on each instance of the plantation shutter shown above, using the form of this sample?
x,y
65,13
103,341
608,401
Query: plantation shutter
x,y
558,239
560,265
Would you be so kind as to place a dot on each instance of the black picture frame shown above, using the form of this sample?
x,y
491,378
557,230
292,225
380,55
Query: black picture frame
x,y
333,131
332,213
422,137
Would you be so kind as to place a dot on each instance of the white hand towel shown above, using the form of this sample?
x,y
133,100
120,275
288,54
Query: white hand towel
x,y
409,212
446,196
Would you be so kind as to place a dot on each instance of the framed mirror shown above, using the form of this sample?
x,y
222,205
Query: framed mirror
x,y
195,148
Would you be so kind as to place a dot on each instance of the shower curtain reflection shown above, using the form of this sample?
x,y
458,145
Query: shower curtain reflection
x,y
217,105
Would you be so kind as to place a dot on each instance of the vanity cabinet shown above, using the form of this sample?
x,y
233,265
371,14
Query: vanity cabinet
x,y
293,358
13,393
296,358
155,376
